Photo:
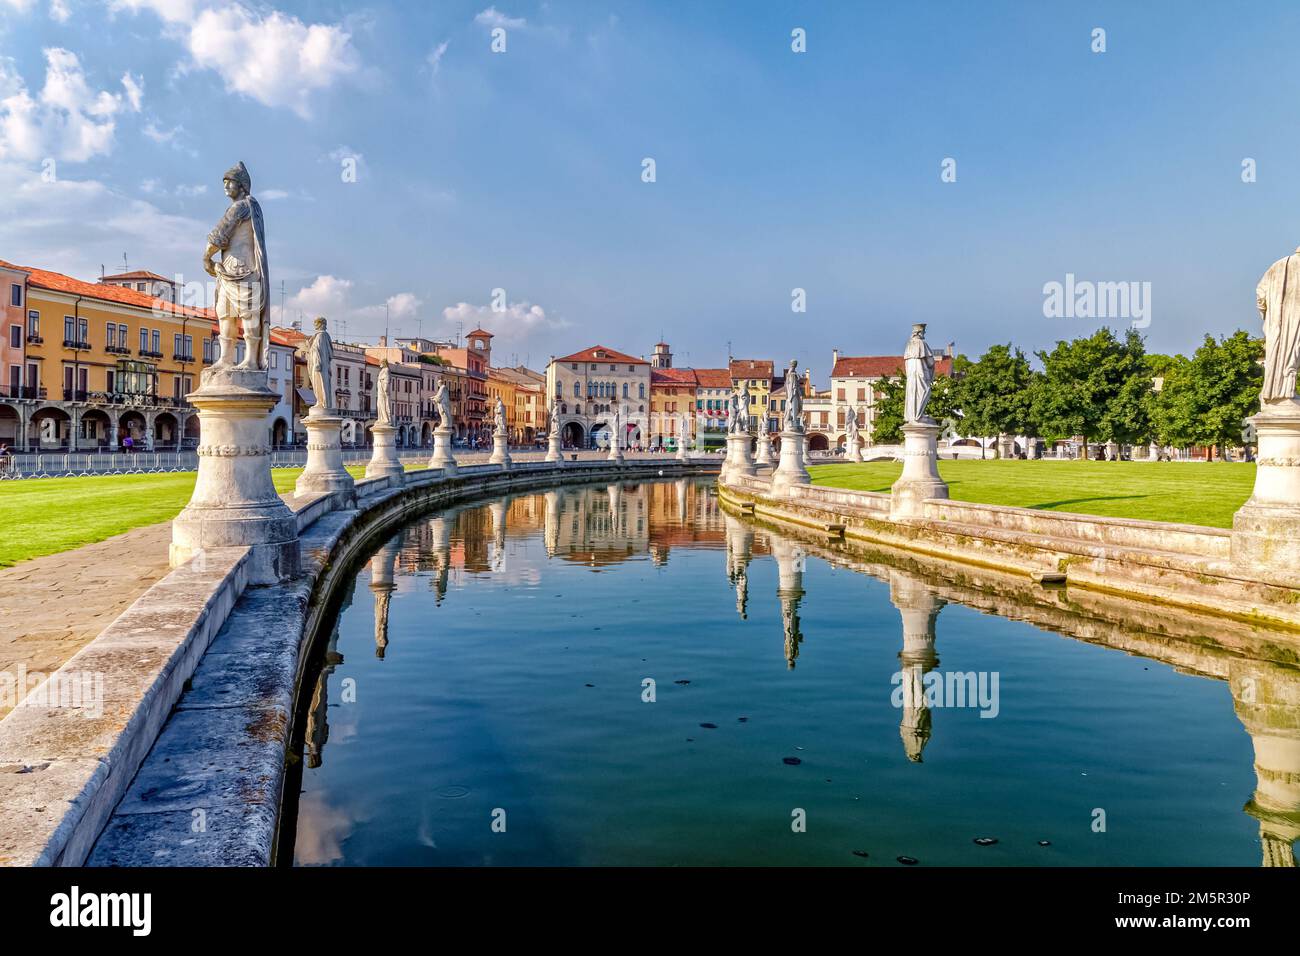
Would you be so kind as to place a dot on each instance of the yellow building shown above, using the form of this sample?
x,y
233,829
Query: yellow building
x,y
757,374
100,363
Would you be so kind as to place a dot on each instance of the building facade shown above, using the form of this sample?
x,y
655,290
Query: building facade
x,y
590,386
855,381
757,375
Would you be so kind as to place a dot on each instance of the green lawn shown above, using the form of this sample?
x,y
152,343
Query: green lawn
x,y
1194,493
47,515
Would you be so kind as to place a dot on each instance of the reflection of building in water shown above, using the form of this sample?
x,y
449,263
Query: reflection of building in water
x,y
318,728
740,550
789,568
382,565
1267,700
919,607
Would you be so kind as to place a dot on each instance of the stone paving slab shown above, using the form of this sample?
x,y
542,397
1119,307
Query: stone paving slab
x,y
53,606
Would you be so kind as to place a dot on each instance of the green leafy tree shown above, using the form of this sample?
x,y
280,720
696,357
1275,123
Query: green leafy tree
x,y
887,429
994,394
1096,387
1204,400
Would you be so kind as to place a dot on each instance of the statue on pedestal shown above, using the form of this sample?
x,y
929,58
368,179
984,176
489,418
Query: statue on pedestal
x,y
553,417
241,273
918,361
442,398
793,400
852,437
383,395
502,427
320,368
1278,298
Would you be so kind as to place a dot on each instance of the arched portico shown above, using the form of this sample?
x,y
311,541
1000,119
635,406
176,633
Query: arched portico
x,y
42,437
818,441
166,432
574,436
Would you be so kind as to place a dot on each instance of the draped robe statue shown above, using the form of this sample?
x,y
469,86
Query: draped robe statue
x,y
383,396
320,369
1278,299
442,398
918,361
243,278
851,425
502,428
793,400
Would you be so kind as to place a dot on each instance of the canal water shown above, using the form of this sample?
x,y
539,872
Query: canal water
x,y
628,675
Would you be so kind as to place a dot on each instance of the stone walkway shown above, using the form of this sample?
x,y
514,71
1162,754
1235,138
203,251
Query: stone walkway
x,y
56,605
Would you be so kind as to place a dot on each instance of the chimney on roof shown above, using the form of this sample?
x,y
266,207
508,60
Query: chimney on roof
x,y
835,357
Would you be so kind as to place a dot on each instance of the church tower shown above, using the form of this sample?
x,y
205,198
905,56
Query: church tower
x,y
663,358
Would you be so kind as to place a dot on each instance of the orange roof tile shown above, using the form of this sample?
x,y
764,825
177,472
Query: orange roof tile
x,y
607,355
750,368
57,282
880,366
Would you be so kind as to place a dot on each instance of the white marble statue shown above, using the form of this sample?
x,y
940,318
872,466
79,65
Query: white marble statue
x,y
241,273
442,398
383,395
793,400
1278,299
740,401
553,417
502,428
320,368
918,361
851,434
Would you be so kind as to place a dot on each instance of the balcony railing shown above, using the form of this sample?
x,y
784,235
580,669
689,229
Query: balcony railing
x,y
35,340
182,357
149,353
22,391
77,344
75,395
208,360
115,349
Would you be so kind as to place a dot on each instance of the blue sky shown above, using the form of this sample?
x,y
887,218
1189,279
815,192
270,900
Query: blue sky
x,y
775,170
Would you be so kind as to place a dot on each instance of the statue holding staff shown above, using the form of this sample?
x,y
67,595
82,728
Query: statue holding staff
x,y
242,274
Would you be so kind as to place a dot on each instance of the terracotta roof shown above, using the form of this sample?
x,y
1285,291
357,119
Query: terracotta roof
x,y
480,331
750,368
135,274
879,366
57,282
607,355
713,378
672,376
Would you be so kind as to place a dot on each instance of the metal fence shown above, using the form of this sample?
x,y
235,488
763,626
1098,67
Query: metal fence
x,y
84,464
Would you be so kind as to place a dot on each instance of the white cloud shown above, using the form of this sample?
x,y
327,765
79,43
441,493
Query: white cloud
x,y
434,59
270,195
18,6
519,321
198,189
59,11
35,226
327,296
403,305
492,17
134,87
67,120
273,57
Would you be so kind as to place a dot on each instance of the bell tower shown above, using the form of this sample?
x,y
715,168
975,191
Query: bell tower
x,y
663,357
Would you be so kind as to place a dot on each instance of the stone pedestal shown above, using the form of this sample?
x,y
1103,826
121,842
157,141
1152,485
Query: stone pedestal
x,y
1266,529
853,449
681,449
383,460
442,456
554,454
791,471
500,452
235,503
739,462
615,450
920,479
764,456
324,472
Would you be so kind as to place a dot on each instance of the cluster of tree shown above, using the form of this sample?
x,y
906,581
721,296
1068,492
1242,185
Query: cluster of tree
x,y
1102,388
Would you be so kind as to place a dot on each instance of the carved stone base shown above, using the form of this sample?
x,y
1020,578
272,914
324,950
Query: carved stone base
x,y
554,454
1266,529
235,503
791,470
442,456
682,454
739,462
920,479
500,452
324,472
383,460
853,450
764,455
615,450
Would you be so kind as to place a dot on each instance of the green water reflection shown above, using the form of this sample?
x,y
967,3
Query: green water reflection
x,y
627,674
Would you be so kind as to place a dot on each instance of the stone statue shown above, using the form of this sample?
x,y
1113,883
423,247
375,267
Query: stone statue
x,y
383,395
851,426
1278,299
502,428
442,398
793,400
554,420
918,361
320,368
740,401
241,273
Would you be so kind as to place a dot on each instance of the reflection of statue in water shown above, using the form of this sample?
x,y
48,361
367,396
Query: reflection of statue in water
x,y
1278,299
1266,697
318,729
740,544
382,567
918,606
789,565
440,545
918,361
